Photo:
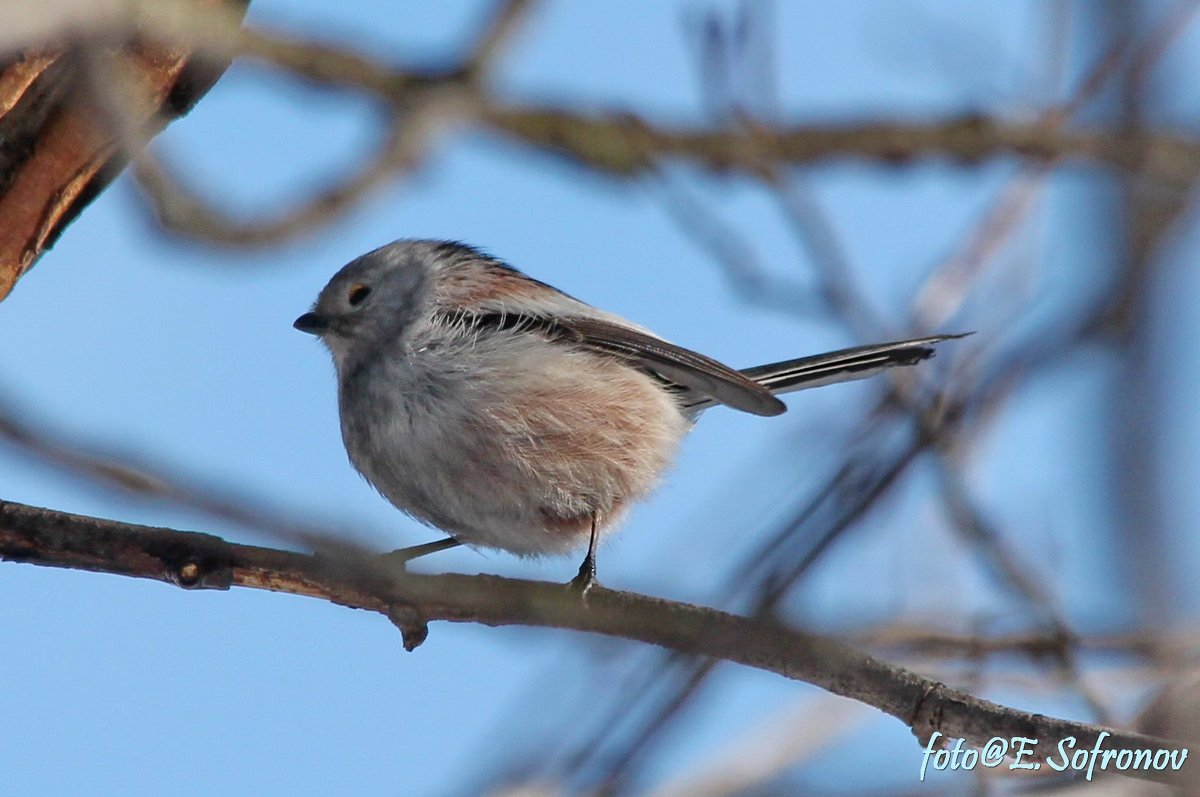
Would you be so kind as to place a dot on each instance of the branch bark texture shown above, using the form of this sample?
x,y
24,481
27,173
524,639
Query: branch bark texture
x,y
57,153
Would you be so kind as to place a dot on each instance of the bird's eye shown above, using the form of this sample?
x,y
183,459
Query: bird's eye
x,y
358,293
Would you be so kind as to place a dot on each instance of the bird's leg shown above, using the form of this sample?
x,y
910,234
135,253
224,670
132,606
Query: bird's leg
x,y
403,556
586,578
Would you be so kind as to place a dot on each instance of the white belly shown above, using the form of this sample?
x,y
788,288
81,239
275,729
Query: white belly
x,y
474,442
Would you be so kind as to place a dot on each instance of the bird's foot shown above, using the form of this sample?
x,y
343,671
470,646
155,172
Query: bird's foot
x,y
586,578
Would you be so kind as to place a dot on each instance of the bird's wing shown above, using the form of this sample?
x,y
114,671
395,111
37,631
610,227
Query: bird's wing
x,y
702,375
706,380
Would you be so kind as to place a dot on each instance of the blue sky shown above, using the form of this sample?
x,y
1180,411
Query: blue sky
x,y
170,351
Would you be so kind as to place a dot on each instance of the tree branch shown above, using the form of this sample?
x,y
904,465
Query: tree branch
x,y
194,560
55,156
625,144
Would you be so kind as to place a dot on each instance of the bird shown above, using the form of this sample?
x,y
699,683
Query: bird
x,y
511,415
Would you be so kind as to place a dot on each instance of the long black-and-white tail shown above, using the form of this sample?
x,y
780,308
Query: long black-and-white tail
x,y
844,365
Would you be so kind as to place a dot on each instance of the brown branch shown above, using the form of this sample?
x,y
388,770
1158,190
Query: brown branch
x,y
54,156
625,144
188,559
497,35
183,211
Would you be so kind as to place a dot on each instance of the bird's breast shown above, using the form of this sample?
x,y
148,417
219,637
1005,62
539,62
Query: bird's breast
x,y
513,443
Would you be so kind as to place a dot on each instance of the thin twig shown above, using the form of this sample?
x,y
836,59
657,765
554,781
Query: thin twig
x,y
501,28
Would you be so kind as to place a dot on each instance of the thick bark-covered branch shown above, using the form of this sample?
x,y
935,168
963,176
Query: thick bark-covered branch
x,y
56,154
188,559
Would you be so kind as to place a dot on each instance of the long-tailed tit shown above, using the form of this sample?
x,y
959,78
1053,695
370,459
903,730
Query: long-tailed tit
x,y
513,416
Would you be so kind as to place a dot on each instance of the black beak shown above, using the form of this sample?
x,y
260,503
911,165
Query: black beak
x,y
311,323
